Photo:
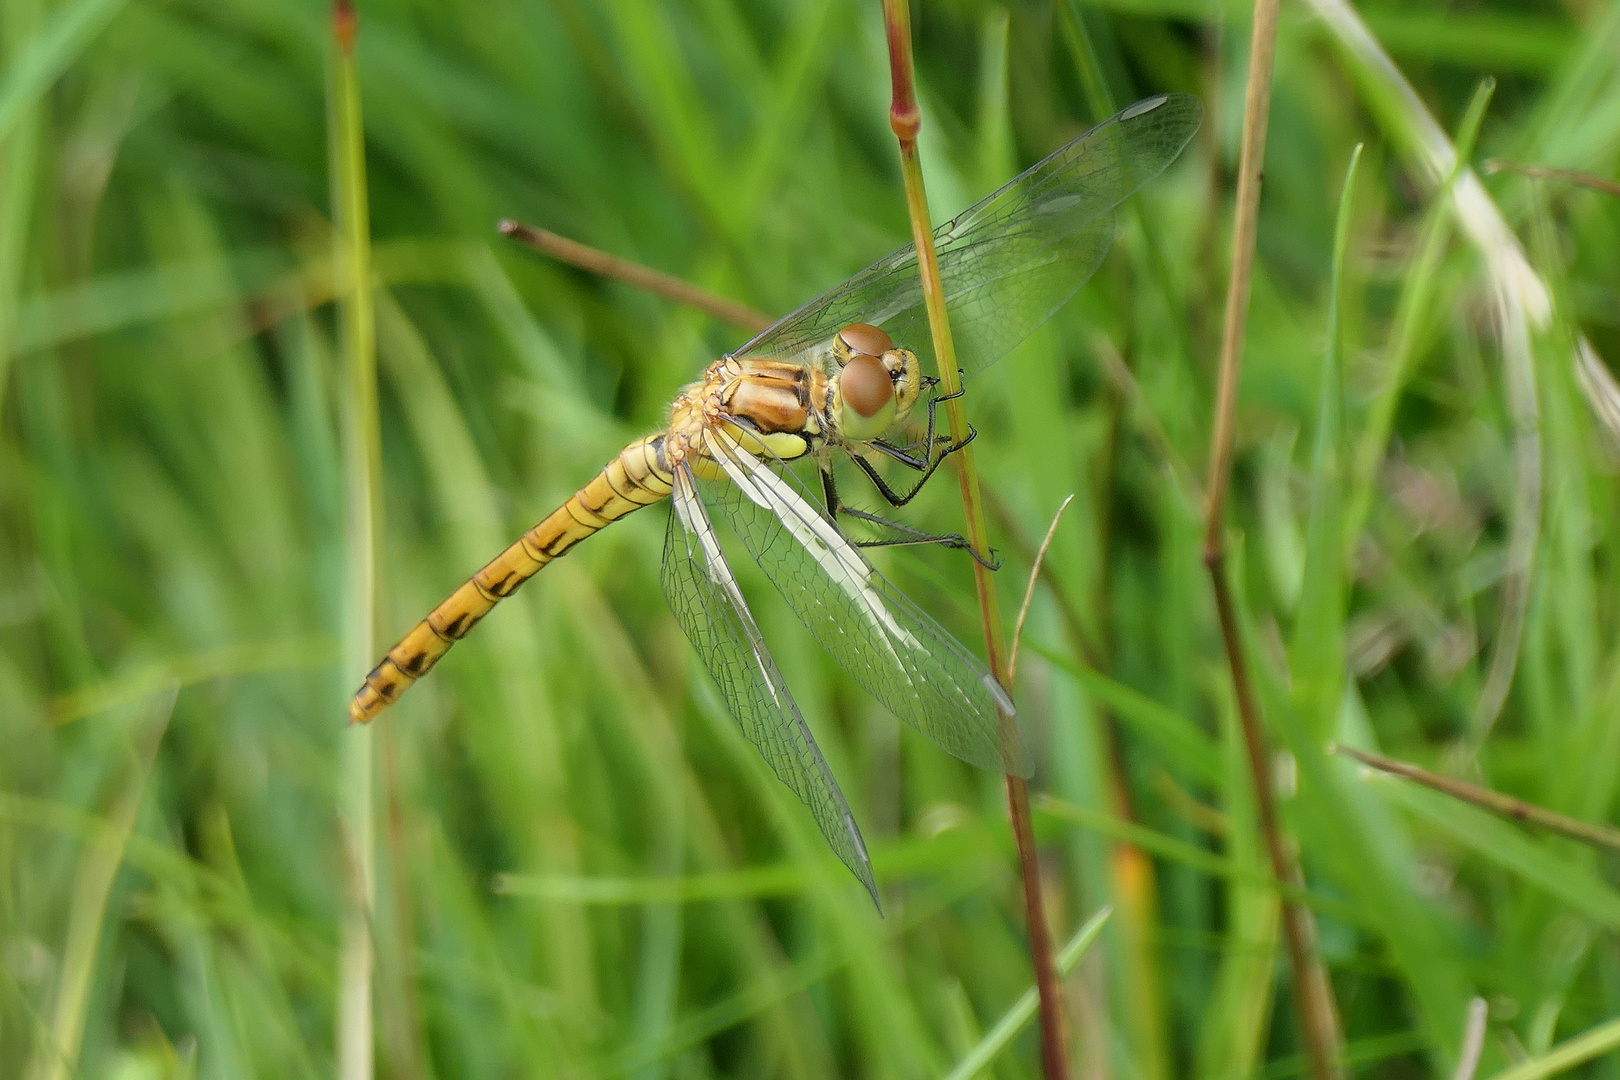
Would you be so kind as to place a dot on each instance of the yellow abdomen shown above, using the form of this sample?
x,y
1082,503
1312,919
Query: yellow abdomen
x,y
639,476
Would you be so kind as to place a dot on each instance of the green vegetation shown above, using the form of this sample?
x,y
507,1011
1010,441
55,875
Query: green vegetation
x,y
582,869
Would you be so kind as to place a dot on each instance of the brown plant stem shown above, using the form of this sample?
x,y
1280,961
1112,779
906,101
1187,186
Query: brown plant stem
x,y
905,119
1312,992
1603,836
1542,172
588,258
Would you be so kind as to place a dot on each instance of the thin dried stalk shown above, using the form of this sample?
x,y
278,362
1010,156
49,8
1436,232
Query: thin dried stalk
x,y
1603,836
1473,1043
905,119
586,257
1313,993
1542,172
1029,590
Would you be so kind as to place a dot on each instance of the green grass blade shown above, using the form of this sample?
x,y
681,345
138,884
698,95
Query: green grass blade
x,y
1023,1010
31,70
1566,1055
1318,646
362,456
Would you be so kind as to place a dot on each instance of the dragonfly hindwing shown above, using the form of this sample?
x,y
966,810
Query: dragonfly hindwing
x,y
709,605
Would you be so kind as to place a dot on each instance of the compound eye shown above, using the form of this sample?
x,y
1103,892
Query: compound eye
x,y
866,385
864,339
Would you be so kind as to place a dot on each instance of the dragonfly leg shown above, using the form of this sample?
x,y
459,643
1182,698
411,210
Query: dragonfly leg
x,y
910,536
928,442
924,466
913,536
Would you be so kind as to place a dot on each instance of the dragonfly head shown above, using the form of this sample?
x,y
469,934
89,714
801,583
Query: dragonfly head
x,y
877,383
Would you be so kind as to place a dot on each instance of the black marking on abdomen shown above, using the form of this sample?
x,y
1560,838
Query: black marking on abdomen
x,y
562,538
414,665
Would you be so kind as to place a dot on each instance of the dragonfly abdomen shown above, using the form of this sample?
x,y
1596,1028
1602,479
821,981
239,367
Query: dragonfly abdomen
x,y
639,476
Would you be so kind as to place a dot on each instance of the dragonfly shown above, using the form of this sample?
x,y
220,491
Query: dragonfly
x,y
826,383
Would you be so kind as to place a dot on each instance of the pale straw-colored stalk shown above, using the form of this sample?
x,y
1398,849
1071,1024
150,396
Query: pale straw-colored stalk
x,y
1029,588
1313,993
1473,1041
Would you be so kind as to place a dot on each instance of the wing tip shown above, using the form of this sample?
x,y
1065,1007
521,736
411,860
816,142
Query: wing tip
x,y
867,879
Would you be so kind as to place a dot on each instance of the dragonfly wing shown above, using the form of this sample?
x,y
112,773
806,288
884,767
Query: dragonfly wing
x,y
703,593
1016,256
889,645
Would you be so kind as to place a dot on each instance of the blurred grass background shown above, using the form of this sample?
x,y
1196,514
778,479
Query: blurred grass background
x,y
582,869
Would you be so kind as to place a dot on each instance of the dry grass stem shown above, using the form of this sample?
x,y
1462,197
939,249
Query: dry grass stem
x,y
1314,996
588,258
1473,1043
1251,164
1601,390
1602,836
1029,589
1542,172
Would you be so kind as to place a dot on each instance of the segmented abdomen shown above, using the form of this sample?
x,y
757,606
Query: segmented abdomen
x,y
639,476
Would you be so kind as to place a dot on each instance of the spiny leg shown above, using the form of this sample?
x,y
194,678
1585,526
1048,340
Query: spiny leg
x,y
894,498
914,537
925,464
910,536
928,442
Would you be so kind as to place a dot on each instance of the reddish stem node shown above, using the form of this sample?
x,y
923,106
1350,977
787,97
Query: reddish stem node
x,y
905,123
345,25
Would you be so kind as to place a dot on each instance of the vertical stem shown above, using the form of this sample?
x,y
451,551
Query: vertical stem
x,y
905,119
1251,161
361,468
1312,991
57,1052
19,162
402,1009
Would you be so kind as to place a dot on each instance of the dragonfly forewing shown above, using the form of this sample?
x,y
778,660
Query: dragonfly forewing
x,y
704,596
1008,262
887,644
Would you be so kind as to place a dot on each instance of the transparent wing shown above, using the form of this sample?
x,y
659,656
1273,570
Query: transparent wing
x,y
890,646
1012,259
707,603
